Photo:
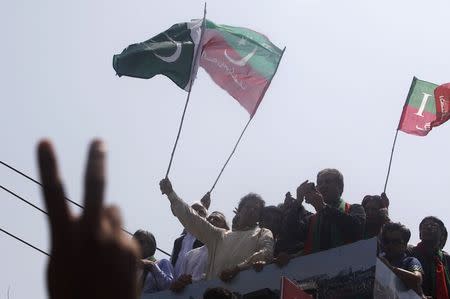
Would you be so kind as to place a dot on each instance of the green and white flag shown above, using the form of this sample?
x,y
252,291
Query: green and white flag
x,y
170,53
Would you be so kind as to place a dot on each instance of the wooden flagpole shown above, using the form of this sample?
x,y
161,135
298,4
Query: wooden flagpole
x,y
193,68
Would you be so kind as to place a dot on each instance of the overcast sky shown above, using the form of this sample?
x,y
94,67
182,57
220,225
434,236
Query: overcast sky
x,y
335,102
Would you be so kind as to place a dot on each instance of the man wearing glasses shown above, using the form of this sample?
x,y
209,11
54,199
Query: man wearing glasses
x,y
435,261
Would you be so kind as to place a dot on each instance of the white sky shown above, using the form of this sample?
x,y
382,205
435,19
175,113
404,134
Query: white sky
x,y
335,102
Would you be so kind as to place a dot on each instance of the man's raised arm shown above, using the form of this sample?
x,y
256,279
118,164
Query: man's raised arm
x,y
192,222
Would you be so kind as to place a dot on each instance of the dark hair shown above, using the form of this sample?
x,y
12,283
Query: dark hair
x,y
441,225
337,173
396,226
252,197
146,241
384,203
272,210
217,293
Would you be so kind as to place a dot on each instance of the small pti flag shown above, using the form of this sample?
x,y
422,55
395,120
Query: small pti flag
x,y
419,111
289,290
170,53
241,61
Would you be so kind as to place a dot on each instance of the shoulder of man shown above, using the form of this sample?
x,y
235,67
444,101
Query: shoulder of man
x,y
410,250
165,265
265,232
356,209
446,256
412,264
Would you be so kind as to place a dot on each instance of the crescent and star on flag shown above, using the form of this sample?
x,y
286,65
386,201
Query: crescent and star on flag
x,y
176,55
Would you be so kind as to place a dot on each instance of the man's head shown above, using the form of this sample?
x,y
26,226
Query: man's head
x,y
330,183
200,209
217,293
146,241
271,218
394,239
218,220
248,212
375,207
433,231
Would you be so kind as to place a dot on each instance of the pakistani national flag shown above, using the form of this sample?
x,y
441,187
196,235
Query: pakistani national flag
x,y
419,111
170,53
241,61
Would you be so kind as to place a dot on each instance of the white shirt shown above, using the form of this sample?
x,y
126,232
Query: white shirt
x,y
186,246
226,248
195,263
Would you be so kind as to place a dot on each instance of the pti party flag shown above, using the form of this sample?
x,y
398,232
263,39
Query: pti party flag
x,y
442,99
241,61
170,53
419,111
289,290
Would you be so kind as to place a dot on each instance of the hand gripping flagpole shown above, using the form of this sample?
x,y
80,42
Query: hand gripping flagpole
x,y
246,125
193,68
396,133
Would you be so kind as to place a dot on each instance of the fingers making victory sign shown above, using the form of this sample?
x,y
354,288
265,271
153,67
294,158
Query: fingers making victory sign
x,y
90,256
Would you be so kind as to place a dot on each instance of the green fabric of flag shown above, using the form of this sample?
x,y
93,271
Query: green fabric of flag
x,y
241,61
169,53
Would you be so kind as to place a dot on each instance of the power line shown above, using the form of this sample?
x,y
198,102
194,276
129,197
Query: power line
x,y
24,200
37,182
40,184
24,242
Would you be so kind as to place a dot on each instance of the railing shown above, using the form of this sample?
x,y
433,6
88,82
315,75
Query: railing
x,y
350,271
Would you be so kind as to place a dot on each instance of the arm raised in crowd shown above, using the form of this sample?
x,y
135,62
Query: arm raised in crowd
x,y
192,222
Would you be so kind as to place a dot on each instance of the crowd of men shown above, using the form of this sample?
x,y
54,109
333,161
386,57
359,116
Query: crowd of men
x,y
209,249
275,234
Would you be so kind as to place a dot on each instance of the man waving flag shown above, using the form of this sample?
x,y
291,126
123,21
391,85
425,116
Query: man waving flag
x,y
240,60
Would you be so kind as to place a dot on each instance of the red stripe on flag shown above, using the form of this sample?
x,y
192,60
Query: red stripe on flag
x,y
416,123
290,290
442,98
221,62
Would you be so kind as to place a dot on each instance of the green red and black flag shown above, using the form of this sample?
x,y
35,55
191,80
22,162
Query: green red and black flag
x,y
241,61
427,106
